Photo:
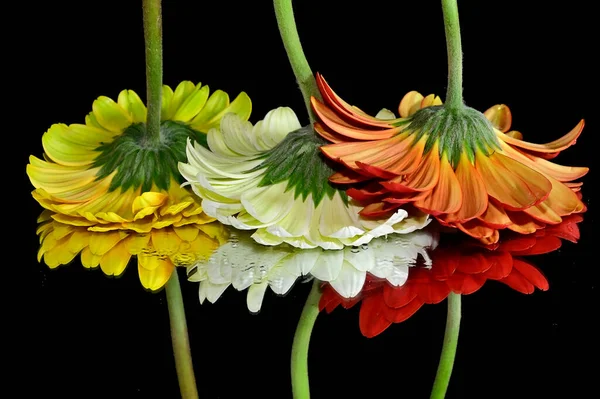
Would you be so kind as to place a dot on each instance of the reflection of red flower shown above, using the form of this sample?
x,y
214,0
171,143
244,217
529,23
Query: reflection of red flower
x,y
462,267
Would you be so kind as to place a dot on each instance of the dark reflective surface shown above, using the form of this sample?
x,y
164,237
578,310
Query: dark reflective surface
x,y
85,335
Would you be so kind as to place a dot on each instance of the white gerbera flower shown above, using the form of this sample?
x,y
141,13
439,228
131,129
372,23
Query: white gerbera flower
x,y
245,264
273,179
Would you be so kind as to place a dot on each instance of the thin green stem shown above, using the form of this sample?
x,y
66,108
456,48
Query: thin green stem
x,y
300,385
444,371
455,69
181,342
154,66
291,41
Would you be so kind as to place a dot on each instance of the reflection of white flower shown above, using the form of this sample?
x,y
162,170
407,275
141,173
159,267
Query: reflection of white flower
x,y
243,263
272,178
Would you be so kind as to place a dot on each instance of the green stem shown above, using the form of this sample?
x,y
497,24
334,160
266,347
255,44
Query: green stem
x,y
454,90
291,41
154,66
181,342
300,386
444,371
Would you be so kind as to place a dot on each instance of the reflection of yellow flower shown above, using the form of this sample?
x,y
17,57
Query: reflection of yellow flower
x,y
272,178
245,264
108,175
158,252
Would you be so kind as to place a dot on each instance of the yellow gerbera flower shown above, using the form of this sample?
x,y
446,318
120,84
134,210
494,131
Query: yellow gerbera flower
x,y
158,252
272,178
106,176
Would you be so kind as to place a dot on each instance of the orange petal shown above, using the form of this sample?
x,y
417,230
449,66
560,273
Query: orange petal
x,y
515,134
476,229
523,223
370,193
500,117
495,216
347,177
474,194
360,150
400,160
328,134
563,200
352,113
554,146
334,122
424,178
446,196
515,185
378,209
559,172
543,213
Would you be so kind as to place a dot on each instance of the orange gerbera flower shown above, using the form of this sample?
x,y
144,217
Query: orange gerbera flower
x,y
461,267
456,164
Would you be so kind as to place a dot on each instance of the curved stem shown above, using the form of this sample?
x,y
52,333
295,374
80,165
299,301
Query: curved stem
x,y
291,41
444,371
154,66
454,90
300,385
179,337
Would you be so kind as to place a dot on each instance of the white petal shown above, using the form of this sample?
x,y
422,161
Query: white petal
x,y
281,280
268,204
256,294
360,257
214,291
349,282
302,261
337,221
236,135
328,266
275,126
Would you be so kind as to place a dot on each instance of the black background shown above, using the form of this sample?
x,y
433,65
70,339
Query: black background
x,y
82,335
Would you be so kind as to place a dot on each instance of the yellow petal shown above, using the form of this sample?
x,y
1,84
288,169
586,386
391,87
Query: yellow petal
x,y
147,203
154,279
88,259
113,263
500,117
187,233
131,102
182,92
411,103
192,105
101,243
110,115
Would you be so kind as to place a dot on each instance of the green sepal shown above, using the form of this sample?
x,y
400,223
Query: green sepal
x,y
139,162
298,160
462,130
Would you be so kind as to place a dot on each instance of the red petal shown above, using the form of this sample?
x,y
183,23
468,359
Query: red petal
x,y
372,322
532,274
433,292
398,315
543,245
518,282
473,264
397,297
466,284
516,243
501,264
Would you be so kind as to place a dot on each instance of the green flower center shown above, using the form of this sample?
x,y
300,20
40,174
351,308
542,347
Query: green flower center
x,y
458,131
141,163
298,160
